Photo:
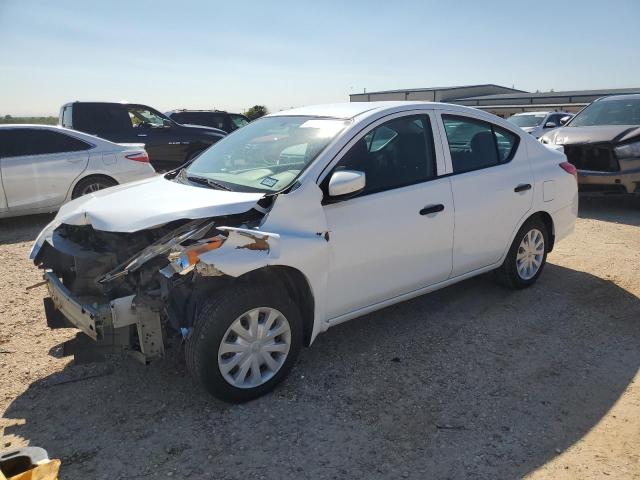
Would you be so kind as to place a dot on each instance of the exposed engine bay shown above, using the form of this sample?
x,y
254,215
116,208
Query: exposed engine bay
x,y
144,286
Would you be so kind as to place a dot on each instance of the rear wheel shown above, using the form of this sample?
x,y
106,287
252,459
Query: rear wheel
x,y
91,185
527,256
244,342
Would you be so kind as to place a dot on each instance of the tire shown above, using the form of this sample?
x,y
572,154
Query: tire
x,y
515,273
92,184
217,322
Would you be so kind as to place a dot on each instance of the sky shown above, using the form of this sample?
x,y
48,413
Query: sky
x,y
235,54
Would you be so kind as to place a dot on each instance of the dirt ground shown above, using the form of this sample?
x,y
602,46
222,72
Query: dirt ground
x,y
472,381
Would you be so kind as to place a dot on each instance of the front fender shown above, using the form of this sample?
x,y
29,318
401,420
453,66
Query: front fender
x,y
293,234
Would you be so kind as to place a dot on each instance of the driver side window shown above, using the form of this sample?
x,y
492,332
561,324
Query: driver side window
x,y
393,155
145,118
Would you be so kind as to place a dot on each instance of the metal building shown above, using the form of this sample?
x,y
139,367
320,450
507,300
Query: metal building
x,y
499,100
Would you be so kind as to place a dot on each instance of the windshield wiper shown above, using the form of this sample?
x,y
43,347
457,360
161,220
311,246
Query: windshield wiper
x,y
208,182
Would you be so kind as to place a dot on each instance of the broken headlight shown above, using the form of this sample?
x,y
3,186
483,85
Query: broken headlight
x,y
628,150
170,242
186,258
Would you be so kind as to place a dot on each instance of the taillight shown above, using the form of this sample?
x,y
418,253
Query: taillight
x,y
570,168
138,157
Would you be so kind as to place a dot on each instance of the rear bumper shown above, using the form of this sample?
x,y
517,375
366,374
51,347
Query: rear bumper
x,y
622,182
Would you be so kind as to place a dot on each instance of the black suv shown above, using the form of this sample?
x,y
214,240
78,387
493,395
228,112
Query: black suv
x,y
210,118
168,143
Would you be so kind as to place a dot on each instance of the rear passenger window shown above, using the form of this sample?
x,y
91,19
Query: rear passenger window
x,y
475,144
23,141
100,118
395,154
506,142
216,121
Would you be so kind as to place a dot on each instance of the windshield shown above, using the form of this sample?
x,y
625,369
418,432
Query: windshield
x,y
532,120
609,112
266,155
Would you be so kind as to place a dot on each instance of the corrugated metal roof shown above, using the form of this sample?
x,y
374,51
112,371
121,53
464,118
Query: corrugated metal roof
x,y
431,89
568,93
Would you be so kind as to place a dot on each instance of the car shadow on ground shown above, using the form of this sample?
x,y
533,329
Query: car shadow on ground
x,y
472,381
22,229
611,208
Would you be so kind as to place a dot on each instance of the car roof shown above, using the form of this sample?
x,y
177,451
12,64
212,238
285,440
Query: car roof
x,y
74,133
129,104
196,110
350,110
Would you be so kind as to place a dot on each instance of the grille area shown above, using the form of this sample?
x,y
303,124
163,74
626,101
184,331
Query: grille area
x,y
596,157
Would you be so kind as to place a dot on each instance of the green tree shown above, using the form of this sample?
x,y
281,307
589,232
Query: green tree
x,y
256,111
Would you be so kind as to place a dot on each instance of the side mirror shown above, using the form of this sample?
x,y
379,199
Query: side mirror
x,y
166,123
550,125
346,182
564,120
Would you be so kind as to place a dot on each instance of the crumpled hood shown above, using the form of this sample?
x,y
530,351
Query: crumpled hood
x,y
150,203
597,134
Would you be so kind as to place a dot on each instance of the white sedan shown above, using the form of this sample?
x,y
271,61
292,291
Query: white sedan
x,y
42,167
299,221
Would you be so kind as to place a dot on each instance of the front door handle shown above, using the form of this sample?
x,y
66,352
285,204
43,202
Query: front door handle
x,y
522,187
432,209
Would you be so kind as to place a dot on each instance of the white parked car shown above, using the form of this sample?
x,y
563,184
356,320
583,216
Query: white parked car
x,y
539,123
43,166
297,222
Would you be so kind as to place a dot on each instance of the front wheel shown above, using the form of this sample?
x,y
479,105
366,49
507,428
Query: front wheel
x,y
527,256
244,342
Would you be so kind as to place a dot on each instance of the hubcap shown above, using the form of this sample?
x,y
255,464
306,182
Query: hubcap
x,y
93,187
530,254
254,347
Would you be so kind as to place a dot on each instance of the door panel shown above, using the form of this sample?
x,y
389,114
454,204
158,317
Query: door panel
x,y
396,236
487,207
164,144
163,139
37,181
487,211
381,246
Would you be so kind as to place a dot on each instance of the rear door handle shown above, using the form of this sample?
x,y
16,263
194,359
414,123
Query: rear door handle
x,y
432,209
522,187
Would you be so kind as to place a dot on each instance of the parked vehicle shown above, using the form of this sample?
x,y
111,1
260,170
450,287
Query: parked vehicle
x,y
219,119
300,221
537,123
169,144
42,167
603,142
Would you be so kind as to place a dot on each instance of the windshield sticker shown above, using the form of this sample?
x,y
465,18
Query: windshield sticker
x,y
269,181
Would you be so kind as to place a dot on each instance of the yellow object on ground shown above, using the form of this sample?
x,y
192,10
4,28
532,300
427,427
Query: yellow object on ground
x,y
47,470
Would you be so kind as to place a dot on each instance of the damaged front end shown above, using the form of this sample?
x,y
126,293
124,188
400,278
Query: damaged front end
x,y
136,292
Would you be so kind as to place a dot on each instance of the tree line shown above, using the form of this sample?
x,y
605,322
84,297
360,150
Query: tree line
x,y
40,120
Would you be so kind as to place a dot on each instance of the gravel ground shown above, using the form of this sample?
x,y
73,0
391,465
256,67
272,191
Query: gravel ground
x,y
472,381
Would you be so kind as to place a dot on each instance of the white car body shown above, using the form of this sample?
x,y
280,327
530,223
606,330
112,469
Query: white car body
x,y
334,257
42,183
547,121
415,254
